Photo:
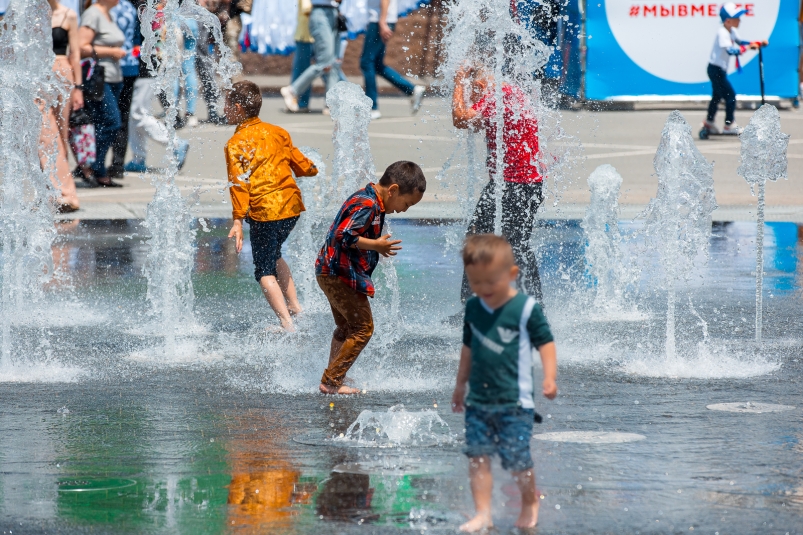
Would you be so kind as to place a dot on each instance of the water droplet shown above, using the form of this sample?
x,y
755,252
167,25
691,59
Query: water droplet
x,y
557,506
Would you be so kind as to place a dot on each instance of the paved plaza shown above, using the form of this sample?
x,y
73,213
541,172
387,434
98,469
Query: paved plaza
x,y
625,139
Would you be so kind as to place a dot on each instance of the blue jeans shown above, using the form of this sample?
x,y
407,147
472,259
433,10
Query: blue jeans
x,y
302,59
188,67
323,28
503,430
372,63
106,118
721,89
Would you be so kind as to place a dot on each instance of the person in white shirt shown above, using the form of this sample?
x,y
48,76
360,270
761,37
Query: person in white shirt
x,y
382,18
727,43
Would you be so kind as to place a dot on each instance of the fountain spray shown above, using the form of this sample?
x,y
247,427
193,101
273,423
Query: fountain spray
x,y
353,167
485,35
27,85
763,157
171,250
678,222
604,257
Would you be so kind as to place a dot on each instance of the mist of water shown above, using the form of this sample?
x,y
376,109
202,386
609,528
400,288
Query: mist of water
x,y
27,85
763,157
678,218
169,219
397,427
605,260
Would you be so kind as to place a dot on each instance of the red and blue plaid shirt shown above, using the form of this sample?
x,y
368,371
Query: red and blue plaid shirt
x,y
363,214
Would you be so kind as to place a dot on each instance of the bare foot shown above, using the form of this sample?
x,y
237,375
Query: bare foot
x,y
344,390
480,522
288,326
295,311
529,516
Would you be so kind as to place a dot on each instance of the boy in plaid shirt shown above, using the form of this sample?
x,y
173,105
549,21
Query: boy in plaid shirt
x,y
348,258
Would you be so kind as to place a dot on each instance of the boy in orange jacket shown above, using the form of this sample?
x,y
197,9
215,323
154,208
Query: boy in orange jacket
x,y
261,160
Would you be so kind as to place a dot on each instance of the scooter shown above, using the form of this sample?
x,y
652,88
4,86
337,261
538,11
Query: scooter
x,y
705,132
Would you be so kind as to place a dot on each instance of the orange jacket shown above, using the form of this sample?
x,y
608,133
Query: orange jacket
x,y
261,160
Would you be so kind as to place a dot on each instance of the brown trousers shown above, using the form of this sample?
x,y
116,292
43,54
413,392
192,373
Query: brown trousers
x,y
354,327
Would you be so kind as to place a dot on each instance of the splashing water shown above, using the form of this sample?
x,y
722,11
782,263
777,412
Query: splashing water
x,y
486,36
397,427
27,85
308,235
172,243
679,217
763,157
604,258
352,165
353,168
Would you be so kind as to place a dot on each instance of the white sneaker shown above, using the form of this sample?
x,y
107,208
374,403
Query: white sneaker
x,y
418,96
711,127
375,114
192,121
290,100
732,129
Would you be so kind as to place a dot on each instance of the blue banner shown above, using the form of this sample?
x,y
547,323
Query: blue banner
x,y
639,49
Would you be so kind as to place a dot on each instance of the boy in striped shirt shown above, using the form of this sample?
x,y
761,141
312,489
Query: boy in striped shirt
x,y
502,326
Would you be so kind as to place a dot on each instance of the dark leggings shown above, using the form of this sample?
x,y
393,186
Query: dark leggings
x,y
519,205
721,89
120,144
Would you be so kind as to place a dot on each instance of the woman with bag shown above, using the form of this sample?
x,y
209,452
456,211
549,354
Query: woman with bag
x,y
54,135
102,41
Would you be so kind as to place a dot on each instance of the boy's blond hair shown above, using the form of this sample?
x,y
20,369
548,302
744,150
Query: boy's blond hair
x,y
485,248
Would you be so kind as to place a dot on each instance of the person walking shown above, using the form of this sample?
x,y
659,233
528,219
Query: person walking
x,y
190,34
302,57
124,14
205,64
323,27
102,40
142,124
55,131
382,18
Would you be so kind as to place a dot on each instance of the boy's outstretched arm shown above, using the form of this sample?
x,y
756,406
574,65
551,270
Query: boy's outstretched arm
x,y
462,116
384,245
300,164
549,360
463,372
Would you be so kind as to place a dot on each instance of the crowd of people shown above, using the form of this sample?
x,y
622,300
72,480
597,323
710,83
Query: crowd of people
x,y
114,112
111,93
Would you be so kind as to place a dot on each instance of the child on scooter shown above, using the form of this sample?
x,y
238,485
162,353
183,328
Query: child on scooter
x,y
727,44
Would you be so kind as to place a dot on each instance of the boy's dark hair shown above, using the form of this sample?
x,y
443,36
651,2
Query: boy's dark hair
x,y
485,248
248,96
407,175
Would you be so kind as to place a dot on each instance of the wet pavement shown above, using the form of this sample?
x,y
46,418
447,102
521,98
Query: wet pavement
x,y
108,430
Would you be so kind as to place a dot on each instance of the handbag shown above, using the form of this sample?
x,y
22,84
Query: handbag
x,y
82,137
92,74
342,23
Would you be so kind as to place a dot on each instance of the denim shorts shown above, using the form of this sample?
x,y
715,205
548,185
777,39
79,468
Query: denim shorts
x,y
503,430
267,238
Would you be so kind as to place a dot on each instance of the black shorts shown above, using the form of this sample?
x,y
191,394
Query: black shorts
x,y
267,238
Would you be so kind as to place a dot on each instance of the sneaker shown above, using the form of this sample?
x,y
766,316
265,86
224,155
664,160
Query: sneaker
x,y
290,100
732,129
116,171
135,167
711,127
375,114
418,96
192,121
181,152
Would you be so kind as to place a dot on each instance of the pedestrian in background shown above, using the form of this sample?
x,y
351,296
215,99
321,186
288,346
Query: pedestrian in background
x,y
189,36
205,64
54,135
102,40
382,18
302,57
323,26
124,15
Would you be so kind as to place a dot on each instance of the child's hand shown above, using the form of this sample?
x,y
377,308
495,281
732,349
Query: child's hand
x,y
459,399
387,247
550,388
236,232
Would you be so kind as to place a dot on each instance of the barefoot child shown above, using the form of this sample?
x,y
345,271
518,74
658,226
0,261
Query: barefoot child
x,y
501,328
348,258
261,160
